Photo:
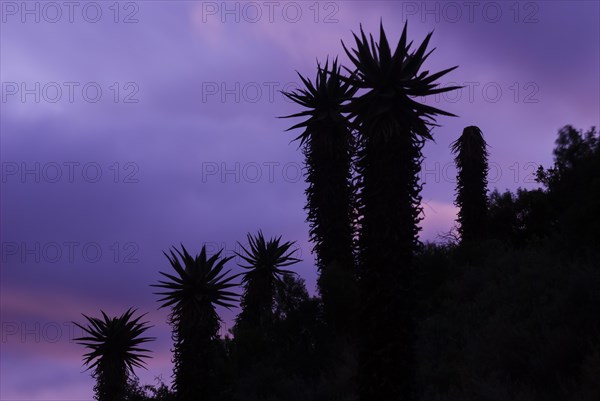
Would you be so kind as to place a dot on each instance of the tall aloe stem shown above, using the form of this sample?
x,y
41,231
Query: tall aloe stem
x,y
392,130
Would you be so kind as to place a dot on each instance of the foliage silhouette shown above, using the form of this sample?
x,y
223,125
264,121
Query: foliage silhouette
x,y
199,286
137,392
470,151
519,321
263,271
284,363
328,146
392,130
254,328
114,344
573,185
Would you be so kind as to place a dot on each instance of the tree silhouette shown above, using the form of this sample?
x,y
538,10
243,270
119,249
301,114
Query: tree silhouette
x,y
393,128
471,154
200,284
114,351
573,184
328,146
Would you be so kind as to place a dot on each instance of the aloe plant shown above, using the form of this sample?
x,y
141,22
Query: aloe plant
x,y
328,146
114,344
471,188
393,128
263,272
199,285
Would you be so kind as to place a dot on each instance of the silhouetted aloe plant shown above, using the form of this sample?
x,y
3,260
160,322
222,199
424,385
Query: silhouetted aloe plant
x,y
471,188
192,294
392,130
328,145
114,351
263,271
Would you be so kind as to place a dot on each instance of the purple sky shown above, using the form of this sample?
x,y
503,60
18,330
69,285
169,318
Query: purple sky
x,y
199,156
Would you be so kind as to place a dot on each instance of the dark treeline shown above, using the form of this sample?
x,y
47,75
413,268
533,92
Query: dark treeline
x,y
514,315
506,307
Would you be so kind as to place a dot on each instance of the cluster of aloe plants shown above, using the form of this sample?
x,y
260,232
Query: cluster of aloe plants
x,y
192,292
362,140
371,117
